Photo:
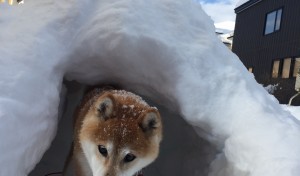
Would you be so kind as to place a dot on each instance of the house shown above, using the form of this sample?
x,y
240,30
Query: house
x,y
267,40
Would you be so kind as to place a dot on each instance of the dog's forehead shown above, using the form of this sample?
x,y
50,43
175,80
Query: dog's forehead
x,y
125,111
124,133
128,97
122,127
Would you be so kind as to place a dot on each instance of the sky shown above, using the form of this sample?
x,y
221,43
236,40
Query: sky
x,y
221,12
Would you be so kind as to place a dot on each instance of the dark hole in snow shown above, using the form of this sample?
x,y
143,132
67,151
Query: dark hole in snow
x,y
182,151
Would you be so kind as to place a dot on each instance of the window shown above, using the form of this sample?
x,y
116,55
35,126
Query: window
x,y
296,66
273,21
286,68
275,70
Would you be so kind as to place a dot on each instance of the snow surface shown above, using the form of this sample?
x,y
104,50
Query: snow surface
x,y
224,37
271,88
294,110
163,49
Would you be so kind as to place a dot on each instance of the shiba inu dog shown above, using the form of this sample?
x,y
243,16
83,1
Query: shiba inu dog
x,y
116,134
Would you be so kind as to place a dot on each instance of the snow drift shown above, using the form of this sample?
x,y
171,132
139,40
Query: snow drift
x,y
162,49
294,110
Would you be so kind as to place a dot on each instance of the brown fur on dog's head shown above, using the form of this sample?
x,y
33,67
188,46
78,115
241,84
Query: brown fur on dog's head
x,y
119,131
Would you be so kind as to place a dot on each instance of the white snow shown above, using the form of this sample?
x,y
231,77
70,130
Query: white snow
x,y
294,110
163,49
224,37
271,88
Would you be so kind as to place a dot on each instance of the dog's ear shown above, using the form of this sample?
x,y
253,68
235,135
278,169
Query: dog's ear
x,y
150,121
105,106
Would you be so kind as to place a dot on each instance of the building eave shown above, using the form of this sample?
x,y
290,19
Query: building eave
x,y
246,6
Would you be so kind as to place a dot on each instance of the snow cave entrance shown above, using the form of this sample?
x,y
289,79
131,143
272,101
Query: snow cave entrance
x,y
182,151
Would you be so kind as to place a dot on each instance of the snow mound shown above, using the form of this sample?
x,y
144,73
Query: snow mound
x,y
271,88
163,49
294,110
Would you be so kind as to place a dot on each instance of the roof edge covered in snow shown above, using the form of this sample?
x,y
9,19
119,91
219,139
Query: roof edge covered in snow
x,y
246,5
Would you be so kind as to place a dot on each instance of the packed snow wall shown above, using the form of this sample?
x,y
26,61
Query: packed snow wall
x,y
182,151
165,50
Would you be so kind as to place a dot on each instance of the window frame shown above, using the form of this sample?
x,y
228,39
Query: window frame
x,y
275,21
280,68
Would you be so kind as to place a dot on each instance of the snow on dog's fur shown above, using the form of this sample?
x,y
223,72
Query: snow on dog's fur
x,y
116,134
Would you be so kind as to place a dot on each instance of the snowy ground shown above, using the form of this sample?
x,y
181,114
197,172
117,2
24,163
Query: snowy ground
x,y
165,50
294,110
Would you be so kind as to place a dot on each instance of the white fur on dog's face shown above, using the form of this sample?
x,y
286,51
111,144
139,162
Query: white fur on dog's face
x,y
98,165
140,164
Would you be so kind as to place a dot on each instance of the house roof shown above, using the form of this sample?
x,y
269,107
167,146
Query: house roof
x,y
244,5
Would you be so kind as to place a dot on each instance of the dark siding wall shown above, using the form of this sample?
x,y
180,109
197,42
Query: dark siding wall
x,y
258,50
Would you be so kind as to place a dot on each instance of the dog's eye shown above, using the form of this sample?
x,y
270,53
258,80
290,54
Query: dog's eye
x,y
129,157
102,150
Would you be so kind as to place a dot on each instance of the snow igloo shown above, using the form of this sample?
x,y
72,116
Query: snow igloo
x,y
217,120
